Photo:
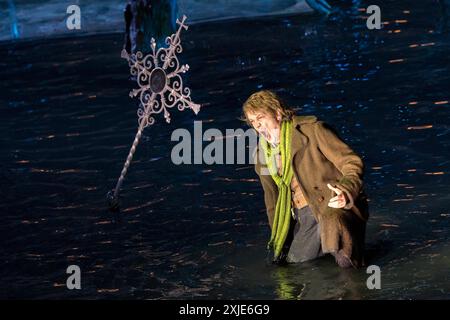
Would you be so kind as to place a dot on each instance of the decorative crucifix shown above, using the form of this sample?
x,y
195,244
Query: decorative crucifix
x,y
158,76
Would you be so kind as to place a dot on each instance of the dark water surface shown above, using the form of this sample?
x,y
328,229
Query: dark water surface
x,y
200,231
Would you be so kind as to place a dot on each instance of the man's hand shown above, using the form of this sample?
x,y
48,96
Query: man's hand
x,y
340,200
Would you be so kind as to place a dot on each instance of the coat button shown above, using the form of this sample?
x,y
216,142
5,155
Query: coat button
x,y
321,199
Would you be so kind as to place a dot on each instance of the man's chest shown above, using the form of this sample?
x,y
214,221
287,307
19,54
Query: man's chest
x,y
298,198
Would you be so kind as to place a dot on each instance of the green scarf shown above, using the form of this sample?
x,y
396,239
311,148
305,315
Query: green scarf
x,y
282,216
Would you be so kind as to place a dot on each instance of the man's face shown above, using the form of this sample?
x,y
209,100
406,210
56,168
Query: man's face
x,y
266,124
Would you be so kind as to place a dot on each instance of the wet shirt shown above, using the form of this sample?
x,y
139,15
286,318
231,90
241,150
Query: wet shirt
x,y
298,199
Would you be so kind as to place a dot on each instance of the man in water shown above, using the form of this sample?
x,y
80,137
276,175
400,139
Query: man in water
x,y
314,200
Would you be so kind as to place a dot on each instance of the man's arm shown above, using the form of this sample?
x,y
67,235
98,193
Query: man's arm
x,y
344,159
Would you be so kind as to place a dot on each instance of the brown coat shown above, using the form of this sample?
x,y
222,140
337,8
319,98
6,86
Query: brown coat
x,y
319,157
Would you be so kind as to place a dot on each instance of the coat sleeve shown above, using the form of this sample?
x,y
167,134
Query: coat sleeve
x,y
344,159
270,190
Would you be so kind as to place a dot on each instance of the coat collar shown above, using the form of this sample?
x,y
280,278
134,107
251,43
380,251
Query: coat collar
x,y
299,139
304,119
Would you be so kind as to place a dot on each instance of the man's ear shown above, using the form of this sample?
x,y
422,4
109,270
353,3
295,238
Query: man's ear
x,y
278,115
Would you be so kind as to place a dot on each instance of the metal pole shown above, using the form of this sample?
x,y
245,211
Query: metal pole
x,y
113,197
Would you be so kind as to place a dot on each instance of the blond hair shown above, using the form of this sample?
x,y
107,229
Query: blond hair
x,y
266,101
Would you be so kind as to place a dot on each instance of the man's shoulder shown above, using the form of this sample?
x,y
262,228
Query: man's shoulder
x,y
305,120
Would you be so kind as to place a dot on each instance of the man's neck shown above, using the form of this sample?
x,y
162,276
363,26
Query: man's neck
x,y
275,147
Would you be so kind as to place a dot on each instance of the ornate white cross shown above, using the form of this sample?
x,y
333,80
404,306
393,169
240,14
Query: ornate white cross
x,y
158,75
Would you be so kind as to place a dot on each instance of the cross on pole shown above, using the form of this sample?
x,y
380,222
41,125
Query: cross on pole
x,y
160,88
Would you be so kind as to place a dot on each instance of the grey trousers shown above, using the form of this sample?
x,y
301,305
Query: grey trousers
x,y
305,243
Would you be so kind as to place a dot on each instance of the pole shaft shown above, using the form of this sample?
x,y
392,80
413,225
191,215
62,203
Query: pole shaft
x,y
129,159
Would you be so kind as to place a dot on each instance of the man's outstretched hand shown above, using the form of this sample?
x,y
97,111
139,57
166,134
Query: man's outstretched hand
x,y
340,200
